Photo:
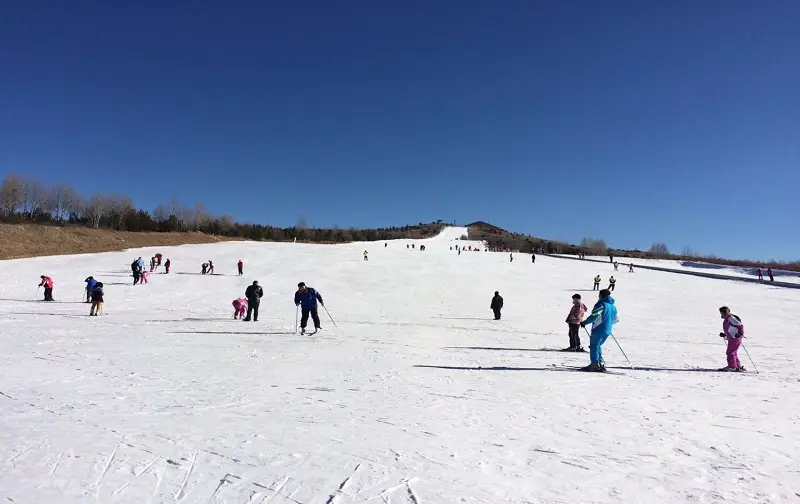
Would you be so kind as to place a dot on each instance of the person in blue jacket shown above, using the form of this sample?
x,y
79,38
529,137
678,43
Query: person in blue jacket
x,y
90,283
306,298
602,319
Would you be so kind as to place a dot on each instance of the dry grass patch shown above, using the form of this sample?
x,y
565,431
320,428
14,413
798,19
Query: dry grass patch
x,y
27,240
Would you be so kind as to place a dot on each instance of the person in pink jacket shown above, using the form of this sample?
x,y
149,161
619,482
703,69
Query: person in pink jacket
x,y
733,332
574,319
239,306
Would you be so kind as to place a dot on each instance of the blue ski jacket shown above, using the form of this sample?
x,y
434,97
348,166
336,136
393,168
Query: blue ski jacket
x,y
603,317
90,283
308,299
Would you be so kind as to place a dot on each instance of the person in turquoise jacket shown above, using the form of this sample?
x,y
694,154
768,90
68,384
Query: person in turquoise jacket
x,y
602,320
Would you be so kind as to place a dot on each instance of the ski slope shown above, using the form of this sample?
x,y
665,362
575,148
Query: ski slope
x,y
417,397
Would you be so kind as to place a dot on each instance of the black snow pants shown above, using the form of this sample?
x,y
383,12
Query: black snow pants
x,y
496,313
314,316
574,336
252,311
241,272
48,293
596,286
136,277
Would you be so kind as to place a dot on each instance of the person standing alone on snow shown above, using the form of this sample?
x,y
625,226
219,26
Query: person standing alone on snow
x,y
769,274
306,298
240,266
602,319
597,281
254,293
612,282
733,332
366,255
574,319
47,283
760,274
166,266
497,305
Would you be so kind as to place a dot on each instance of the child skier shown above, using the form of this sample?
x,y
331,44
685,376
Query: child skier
x,y
152,264
240,266
90,283
597,281
204,268
239,307
612,282
760,274
496,305
603,318
733,332
145,278
47,283
158,259
167,265
770,275
97,300
630,268
616,266
210,267
574,319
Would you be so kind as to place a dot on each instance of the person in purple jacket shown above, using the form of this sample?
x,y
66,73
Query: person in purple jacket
x,y
306,298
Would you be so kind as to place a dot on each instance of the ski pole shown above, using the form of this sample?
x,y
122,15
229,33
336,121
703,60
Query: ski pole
x,y
751,359
329,316
296,316
618,345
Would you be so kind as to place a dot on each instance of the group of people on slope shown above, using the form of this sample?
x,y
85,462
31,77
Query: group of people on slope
x,y
612,283
603,317
306,298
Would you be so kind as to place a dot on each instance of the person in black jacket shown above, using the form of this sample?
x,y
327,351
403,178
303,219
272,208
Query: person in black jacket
x,y
497,305
253,295
97,300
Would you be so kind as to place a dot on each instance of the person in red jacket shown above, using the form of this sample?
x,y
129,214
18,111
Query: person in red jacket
x,y
240,265
47,283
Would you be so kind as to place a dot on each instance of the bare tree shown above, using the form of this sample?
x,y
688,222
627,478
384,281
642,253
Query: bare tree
x,y
61,197
197,216
121,207
596,245
688,252
225,223
97,207
659,250
11,194
161,213
77,207
34,197
175,207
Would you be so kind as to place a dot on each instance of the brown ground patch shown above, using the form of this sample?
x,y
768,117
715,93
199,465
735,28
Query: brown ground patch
x,y
28,240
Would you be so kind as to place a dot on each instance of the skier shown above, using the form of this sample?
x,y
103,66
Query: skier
x,y
240,266
510,257
90,283
306,298
574,319
145,278
204,268
769,274
497,305
158,259
733,332
630,268
459,251
137,272
366,255
253,295
140,263
47,283
760,274
612,282
533,258
239,307
152,264
97,300
597,281
616,266
210,267
167,265
385,245
603,318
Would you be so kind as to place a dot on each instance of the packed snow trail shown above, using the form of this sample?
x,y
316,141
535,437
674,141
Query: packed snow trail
x,y
417,397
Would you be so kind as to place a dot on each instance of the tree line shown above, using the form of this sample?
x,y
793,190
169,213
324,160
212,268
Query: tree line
x,y
27,200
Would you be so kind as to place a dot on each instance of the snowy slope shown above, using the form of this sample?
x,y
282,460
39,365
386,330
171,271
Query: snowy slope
x,y
417,396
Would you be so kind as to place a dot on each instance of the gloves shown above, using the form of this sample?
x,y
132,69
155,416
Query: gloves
x,y
722,335
583,324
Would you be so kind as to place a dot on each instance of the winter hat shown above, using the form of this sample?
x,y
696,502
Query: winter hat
x,y
605,293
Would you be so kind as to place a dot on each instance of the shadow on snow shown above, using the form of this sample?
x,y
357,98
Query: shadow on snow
x,y
500,349
228,332
570,369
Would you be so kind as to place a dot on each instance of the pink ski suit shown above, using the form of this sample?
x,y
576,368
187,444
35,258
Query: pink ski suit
x,y
733,329
239,306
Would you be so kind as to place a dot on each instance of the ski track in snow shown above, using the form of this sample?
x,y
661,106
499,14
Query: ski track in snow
x,y
416,398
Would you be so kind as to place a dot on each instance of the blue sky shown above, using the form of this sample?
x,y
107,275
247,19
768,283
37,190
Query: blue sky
x,y
633,121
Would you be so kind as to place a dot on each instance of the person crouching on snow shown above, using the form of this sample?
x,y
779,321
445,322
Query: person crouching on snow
x,y
733,332
145,277
239,307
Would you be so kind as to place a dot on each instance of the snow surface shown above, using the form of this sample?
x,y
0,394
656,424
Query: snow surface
x,y
417,397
